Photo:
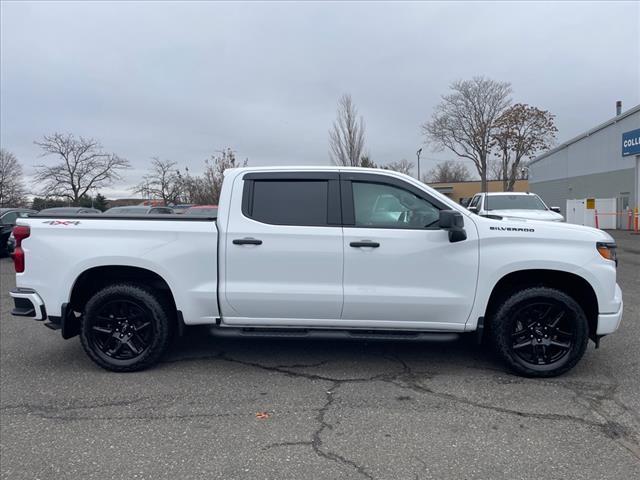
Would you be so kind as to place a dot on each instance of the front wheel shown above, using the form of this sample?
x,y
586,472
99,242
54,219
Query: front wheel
x,y
540,332
125,328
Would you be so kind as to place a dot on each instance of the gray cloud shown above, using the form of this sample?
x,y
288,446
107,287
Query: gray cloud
x,y
181,80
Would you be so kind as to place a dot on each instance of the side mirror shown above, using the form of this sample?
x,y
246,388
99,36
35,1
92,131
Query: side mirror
x,y
555,209
473,210
453,221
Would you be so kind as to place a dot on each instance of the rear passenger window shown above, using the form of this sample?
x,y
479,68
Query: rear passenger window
x,y
290,202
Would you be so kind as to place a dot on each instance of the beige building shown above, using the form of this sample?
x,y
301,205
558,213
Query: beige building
x,y
463,191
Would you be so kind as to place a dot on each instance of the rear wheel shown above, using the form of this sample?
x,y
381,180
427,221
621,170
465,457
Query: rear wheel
x,y
125,328
540,332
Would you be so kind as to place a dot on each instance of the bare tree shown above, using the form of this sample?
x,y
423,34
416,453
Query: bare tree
x,y
216,165
366,162
495,170
523,171
447,172
520,132
163,182
464,120
205,189
346,138
402,166
12,189
82,165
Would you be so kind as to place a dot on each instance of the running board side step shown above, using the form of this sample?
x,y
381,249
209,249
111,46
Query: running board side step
x,y
329,334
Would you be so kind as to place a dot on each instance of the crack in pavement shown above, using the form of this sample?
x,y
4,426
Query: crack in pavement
x,y
624,436
316,438
406,378
316,443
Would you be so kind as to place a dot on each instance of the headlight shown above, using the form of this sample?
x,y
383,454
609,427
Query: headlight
x,y
608,251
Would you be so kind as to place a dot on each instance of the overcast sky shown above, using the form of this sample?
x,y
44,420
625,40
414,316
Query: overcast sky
x,y
182,80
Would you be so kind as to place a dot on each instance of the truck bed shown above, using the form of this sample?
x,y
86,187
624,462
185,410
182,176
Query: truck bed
x,y
180,249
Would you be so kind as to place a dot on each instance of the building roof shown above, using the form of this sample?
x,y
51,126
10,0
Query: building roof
x,y
611,121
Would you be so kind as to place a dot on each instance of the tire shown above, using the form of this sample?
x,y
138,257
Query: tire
x,y
540,332
126,328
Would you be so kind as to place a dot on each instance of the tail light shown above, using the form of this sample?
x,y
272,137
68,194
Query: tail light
x,y
20,232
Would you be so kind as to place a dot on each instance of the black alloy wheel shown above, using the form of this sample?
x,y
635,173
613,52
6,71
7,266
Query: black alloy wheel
x,y
121,330
543,332
539,332
127,327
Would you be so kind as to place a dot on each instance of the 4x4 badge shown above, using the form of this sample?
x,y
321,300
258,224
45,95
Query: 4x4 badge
x,y
62,222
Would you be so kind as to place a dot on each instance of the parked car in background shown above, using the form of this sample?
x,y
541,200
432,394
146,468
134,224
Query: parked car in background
x,y
8,217
68,210
139,210
514,205
181,208
203,210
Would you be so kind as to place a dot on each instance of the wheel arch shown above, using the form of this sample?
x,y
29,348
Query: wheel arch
x,y
95,278
572,284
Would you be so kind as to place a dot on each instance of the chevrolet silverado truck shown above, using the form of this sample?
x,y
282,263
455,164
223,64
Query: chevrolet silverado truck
x,y
320,252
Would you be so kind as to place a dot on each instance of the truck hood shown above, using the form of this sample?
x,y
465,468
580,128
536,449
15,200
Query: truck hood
x,y
546,229
547,215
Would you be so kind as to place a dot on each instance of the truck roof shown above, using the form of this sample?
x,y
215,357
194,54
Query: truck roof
x,y
312,168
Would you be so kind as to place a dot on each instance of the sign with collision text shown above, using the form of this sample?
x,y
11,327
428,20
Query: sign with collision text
x,y
631,142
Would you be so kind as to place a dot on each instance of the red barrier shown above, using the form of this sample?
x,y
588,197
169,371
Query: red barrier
x,y
596,213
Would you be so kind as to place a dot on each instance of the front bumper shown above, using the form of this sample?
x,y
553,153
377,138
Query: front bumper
x,y
27,303
609,322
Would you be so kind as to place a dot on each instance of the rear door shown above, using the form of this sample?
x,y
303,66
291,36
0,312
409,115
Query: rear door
x,y
400,269
283,250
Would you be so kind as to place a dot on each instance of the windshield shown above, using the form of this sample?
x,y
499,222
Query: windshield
x,y
514,202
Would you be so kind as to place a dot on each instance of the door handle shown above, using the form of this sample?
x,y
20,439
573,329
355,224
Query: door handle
x,y
247,241
365,243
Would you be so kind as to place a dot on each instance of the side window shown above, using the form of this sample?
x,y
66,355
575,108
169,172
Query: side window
x,y
290,202
475,201
159,210
386,206
10,218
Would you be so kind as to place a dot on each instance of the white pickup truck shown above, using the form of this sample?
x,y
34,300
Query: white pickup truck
x,y
329,252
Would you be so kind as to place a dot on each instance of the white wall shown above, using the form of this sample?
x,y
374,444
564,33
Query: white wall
x,y
599,152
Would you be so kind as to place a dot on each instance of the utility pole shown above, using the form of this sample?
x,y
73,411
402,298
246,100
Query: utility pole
x,y
418,153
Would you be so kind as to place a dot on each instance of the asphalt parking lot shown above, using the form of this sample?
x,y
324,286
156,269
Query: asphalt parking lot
x,y
329,410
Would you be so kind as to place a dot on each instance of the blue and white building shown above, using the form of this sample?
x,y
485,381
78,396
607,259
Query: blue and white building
x,y
603,162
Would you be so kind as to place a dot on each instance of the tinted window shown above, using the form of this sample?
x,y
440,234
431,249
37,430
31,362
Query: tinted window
x,y
475,201
290,202
514,202
381,205
10,218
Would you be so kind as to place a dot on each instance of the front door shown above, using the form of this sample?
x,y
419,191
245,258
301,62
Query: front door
x,y
283,250
400,269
